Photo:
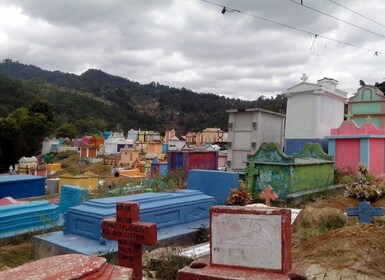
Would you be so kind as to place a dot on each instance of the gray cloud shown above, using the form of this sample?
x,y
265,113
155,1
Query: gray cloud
x,y
191,44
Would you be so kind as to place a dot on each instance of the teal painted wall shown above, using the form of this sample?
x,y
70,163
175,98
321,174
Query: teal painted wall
x,y
366,108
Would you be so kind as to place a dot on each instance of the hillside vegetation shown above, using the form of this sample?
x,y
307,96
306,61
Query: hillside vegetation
x,y
108,102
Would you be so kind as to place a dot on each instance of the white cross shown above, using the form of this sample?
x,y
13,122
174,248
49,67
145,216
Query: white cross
x,y
304,77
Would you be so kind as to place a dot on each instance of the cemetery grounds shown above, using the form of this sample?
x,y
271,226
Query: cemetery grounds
x,y
352,251
325,243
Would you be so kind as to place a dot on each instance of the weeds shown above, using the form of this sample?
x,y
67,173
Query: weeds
x,y
168,264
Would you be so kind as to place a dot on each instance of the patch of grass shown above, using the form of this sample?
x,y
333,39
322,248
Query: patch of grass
x,y
317,221
168,264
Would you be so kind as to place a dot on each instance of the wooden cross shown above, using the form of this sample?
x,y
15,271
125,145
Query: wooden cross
x,y
268,195
130,233
365,212
348,116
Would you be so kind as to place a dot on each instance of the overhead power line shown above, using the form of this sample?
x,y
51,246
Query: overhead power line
x,y
336,18
361,15
295,28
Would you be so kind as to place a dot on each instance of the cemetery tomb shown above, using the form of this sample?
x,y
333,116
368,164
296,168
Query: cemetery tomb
x,y
18,217
178,215
71,266
21,186
310,169
213,183
368,101
351,145
164,209
312,110
246,243
187,160
29,216
71,196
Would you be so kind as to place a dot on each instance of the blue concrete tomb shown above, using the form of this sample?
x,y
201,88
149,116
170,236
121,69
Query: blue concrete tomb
x,y
21,186
29,216
71,196
178,216
213,183
365,212
165,209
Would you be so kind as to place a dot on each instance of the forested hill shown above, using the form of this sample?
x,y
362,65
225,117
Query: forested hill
x,y
98,101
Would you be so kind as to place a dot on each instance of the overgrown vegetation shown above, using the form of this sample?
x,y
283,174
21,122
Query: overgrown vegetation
x,y
168,264
363,184
316,221
240,196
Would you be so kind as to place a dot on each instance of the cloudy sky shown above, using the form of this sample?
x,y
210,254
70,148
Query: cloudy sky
x,y
191,44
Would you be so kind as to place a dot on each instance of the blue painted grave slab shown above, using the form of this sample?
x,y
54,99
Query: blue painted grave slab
x,y
71,196
165,209
213,183
21,186
20,218
365,212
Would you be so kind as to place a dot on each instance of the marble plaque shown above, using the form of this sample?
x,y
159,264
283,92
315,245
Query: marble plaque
x,y
247,240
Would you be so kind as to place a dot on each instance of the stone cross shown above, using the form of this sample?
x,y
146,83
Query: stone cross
x,y
251,172
369,119
304,77
348,116
365,212
268,195
130,233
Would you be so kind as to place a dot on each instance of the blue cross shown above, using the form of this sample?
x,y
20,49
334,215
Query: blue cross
x,y
365,212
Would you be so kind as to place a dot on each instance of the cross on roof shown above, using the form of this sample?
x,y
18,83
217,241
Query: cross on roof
x,y
365,212
348,116
304,77
268,195
130,233
369,119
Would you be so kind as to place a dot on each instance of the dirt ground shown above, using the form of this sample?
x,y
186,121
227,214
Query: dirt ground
x,y
352,252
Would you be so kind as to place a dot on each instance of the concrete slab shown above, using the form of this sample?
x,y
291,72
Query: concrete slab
x,y
56,243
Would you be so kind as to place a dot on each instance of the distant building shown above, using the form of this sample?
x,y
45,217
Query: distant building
x,y
248,129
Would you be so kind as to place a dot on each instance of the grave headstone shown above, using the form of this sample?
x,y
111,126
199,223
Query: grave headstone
x,y
130,233
71,266
213,183
246,243
365,212
71,196
268,194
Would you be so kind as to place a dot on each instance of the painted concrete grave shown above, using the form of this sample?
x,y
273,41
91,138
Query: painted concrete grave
x,y
176,214
310,169
18,217
213,183
71,266
246,243
365,212
21,186
130,233
351,145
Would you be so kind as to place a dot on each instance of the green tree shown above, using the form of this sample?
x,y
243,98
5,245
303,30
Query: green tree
x,y
67,130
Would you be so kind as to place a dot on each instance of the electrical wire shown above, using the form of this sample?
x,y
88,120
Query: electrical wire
x,y
298,29
336,18
361,15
